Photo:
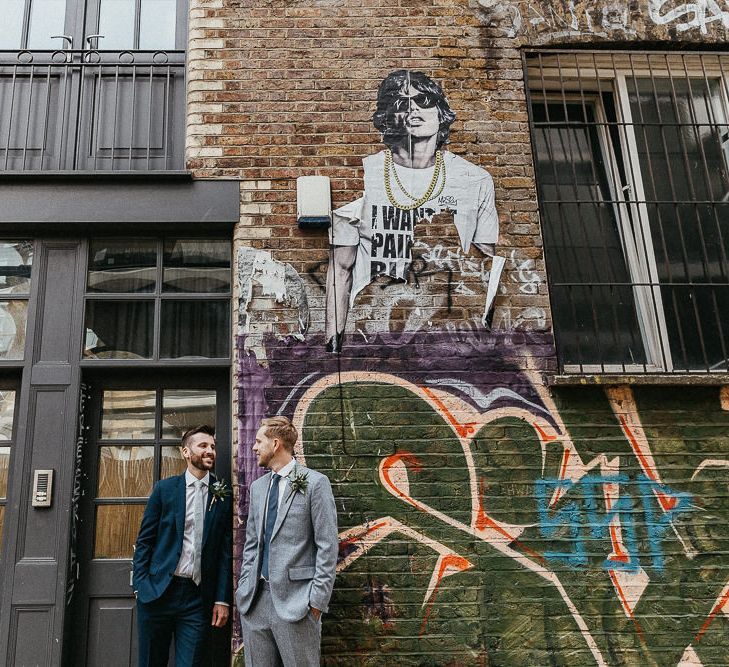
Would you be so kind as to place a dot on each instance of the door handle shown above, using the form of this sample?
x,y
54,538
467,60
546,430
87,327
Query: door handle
x,y
97,38
66,38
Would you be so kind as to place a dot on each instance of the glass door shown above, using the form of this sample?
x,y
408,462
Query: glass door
x,y
92,85
109,25
135,25
135,430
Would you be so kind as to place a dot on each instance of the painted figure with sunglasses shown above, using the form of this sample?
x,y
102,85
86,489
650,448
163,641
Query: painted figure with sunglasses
x,y
406,184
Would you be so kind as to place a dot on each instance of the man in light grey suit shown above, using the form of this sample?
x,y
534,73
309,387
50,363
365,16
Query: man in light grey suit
x,y
290,555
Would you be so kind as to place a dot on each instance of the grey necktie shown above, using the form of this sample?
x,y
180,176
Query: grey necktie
x,y
198,513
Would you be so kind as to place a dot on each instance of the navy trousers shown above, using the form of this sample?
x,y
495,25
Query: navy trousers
x,y
178,613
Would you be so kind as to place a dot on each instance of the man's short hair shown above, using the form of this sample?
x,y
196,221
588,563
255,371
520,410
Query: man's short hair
x,y
281,428
201,428
393,87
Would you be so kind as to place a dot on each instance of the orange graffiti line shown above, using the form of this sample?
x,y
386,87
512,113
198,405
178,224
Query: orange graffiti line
x,y
617,546
484,521
625,604
620,555
391,461
544,436
563,470
451,560
463,430
636,448
363,534
710,619
667,502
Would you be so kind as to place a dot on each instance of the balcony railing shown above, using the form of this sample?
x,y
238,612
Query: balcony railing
x,y
92,110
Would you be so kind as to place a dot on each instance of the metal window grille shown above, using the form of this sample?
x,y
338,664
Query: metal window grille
x,y
632,163
92,110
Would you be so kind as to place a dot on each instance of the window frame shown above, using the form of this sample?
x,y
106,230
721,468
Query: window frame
x,y
560,84
158,297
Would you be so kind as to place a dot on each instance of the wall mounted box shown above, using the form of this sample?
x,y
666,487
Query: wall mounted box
x,y
313,202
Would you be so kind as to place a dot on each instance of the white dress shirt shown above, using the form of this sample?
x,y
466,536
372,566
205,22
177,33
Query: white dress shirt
x,y
187,558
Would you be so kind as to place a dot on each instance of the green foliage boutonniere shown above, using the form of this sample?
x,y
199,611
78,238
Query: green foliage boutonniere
x,y
220,490
298,482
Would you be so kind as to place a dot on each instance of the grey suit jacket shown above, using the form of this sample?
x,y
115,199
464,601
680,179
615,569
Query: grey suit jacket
x,y
304,546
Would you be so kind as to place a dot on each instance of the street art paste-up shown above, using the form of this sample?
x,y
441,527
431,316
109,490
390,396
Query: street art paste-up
x,y
406,185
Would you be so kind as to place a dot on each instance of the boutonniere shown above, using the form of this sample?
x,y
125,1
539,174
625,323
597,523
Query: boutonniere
x,y
298,482
220,491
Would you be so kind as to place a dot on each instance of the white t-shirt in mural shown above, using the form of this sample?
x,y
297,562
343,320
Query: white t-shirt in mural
x,y
384,233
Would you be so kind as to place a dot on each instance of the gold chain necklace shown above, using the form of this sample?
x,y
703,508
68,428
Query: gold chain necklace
x,y
439,173
398,182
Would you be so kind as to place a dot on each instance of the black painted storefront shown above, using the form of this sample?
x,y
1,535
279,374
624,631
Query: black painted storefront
x,y
44,571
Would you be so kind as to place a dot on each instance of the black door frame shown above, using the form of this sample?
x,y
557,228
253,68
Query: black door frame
x,y
97,380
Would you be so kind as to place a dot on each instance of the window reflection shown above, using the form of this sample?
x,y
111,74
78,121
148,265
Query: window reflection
x,y
116,23
157,24
116,530
172,462
185,408
128,415
122,266
4,471
196,266
11,27
125,472
13,321
16,259
119,329
47,17
7,410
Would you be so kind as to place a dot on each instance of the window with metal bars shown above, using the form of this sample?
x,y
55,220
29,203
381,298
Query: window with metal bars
x,y
632,164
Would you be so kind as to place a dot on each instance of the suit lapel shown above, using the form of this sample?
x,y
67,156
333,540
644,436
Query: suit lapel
x,y
283,510
180,501
210,510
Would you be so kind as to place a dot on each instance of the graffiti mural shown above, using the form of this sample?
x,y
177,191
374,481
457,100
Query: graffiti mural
x,y
484,520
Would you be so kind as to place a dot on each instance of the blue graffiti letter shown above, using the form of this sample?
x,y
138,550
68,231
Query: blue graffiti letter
x,y
551,522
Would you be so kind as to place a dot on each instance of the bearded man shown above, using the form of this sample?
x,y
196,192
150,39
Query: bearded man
x,y
183,559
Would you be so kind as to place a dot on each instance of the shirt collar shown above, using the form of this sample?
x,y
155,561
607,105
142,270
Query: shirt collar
x,y
284,472
191,479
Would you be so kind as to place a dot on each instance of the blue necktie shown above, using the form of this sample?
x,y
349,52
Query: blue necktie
x,y
271,514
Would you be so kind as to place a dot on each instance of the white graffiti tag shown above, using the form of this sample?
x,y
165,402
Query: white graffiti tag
x,y
690,15
526,276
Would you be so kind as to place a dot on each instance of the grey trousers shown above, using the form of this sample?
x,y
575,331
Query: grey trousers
x,y
270,641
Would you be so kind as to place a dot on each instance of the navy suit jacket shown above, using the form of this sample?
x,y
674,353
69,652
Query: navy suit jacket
x,y
159,543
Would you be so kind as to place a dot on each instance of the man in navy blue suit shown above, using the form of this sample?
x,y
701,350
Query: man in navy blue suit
x,y
183,557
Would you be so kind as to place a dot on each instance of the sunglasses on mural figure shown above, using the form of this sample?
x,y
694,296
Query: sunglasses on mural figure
x,y
421,100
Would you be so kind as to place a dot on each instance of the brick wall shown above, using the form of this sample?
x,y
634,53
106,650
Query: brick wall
x,y
461,541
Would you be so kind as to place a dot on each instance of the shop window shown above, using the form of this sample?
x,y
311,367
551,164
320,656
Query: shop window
x,y
7,413
153,299
633,177
16,260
